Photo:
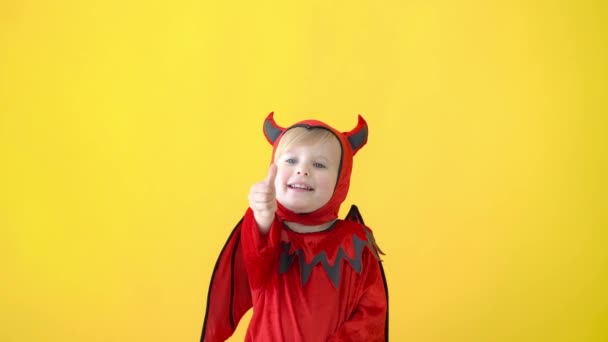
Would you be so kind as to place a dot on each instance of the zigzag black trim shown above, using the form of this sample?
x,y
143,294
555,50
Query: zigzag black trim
x,y
333,271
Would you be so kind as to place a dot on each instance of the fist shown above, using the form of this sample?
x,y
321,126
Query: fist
x,y
262,200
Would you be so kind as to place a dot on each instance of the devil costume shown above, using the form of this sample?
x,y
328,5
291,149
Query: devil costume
x,y
304,287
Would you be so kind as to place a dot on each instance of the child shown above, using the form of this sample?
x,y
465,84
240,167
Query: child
x,y
308,275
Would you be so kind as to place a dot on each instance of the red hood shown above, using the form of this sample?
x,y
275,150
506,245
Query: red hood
x,y
350,143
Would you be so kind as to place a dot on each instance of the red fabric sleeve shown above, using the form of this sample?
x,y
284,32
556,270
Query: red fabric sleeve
x,y
368,321
260,250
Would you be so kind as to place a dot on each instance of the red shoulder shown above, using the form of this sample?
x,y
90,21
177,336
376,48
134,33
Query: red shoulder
x,y
351,229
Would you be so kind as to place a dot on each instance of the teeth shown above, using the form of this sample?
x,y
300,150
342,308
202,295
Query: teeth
x,y
299,186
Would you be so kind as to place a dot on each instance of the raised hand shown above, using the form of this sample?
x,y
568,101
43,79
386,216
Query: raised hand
x,y
262,200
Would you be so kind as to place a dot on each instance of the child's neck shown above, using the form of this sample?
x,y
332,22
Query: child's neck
x,y
300,228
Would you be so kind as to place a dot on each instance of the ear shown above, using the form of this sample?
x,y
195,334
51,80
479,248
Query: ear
x,y
357,137
271,130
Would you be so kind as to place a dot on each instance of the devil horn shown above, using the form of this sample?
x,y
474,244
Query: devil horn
x,y
271,129
357,137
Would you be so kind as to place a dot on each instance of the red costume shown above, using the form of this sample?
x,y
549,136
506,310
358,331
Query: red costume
x,y
304,287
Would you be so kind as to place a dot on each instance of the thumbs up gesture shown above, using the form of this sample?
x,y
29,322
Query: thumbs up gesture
x,y
262,200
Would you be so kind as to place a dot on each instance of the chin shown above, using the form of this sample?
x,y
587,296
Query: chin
x,y
298,209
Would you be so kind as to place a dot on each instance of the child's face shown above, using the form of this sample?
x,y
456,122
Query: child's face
x,y
307,175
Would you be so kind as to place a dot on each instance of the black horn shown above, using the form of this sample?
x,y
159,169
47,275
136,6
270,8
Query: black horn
x,y
271,130
357,137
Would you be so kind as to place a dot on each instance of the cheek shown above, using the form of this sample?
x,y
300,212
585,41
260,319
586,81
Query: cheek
x,y
328,182
281,178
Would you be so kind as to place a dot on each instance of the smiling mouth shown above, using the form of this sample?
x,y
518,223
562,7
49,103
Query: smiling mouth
x,y
300,187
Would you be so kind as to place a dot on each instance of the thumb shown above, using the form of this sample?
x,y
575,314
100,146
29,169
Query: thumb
x,y
272,174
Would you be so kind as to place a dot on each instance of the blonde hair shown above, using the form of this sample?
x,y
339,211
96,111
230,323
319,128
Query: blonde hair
x,y
302,135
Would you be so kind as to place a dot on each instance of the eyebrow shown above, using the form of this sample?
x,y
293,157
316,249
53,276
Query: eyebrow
x,y
316,157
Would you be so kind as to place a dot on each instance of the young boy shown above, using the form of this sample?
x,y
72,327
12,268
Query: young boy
x,y
308,275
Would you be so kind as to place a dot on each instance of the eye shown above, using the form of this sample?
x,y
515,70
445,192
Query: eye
x,y
290,161
318,165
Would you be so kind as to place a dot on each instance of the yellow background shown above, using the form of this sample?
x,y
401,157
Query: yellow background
x,y
130,132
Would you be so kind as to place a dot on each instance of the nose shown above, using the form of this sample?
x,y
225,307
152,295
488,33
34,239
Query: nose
x,y
305,172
